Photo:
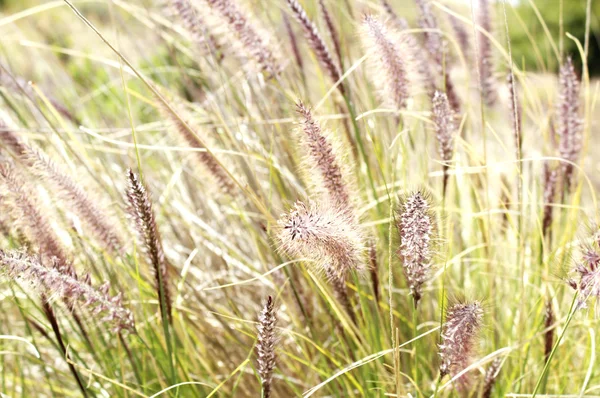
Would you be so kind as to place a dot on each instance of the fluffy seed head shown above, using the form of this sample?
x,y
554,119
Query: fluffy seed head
x,y
316,43
194,23
491,375
415,226
459,338
569,122
140,208
394,84
417,63
60,182
265,346
434,42
206,159
515,113
588,273
59,282
486,61
10,140
322,161
29,214
445,129
323,234
254,41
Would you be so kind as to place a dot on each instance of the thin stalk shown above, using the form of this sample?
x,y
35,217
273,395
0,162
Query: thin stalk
x,y
361,147
555,347
437,386
415,335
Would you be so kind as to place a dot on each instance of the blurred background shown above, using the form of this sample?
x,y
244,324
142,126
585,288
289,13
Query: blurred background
x,y
524,17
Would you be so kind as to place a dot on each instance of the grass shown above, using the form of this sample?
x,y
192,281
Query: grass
x,y
219,146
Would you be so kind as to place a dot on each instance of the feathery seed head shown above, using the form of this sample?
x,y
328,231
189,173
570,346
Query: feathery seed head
x,y
194,23
10,140
491,375
445,128
515,112
459,338
316,43
29,215
569,121
60,282
293,42
140,208
486,61
66,188
322,161
265,346
323,234
416,227
253,40
433,41
208,161
588,272
394,84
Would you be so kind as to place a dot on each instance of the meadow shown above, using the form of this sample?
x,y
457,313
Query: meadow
x,y
297,198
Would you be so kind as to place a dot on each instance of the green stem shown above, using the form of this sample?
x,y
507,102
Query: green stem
x,y
437,386
555,347
415,335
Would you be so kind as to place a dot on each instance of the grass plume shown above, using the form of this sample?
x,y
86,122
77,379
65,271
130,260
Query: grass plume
x,y
57,281
265,345
416,228
393,82
459,339
140,208
316,43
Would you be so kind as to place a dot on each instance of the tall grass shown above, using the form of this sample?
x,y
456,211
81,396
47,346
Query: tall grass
x,y
204,198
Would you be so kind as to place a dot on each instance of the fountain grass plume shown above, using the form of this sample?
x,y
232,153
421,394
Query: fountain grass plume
x,y
587,270
265,346
194,23
316,43
205,158
491,375
58,281
324,234
254,41
416,227
486,59
321,160
29,215
393,82
59,181
445,130
140,209
569,122
459,339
